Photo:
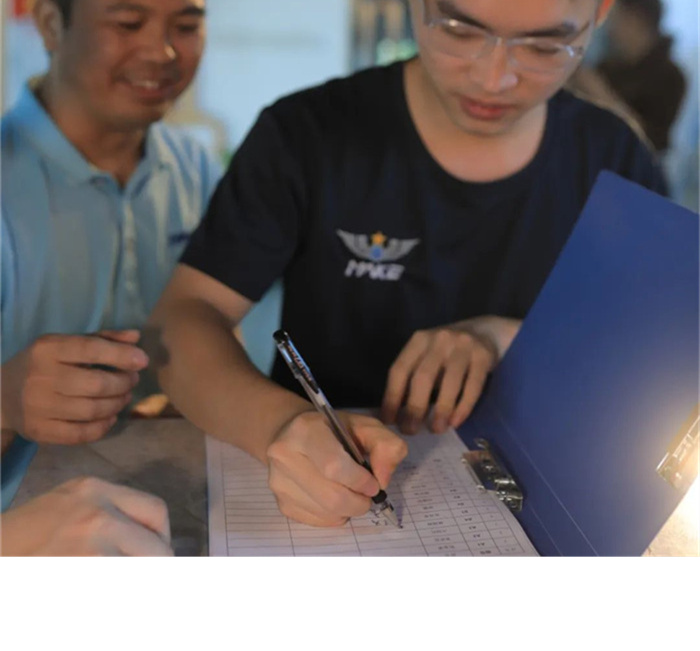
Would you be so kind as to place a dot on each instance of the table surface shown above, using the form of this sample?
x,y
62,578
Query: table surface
x,y
167,457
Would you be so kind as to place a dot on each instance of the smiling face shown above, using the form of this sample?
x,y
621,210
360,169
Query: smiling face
x,y
490,94
125,62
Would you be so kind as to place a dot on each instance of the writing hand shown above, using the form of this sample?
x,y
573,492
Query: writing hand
x,y
315,480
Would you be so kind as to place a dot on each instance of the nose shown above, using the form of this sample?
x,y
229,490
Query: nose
x,y
492,70
158,48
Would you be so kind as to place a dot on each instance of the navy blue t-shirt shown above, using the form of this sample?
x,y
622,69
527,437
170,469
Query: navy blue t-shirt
x,y
334,191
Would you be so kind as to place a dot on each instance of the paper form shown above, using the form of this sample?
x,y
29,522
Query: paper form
x,y
442,510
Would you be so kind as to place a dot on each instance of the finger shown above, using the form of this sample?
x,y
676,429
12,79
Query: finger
x,y
384,448
123,336
72,433
86,410
96,350
133,539
75,381
423,381
144,508
328,501
473,386
451,388
399,374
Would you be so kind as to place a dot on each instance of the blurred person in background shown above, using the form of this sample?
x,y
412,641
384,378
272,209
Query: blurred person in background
x,y
639,69
99,198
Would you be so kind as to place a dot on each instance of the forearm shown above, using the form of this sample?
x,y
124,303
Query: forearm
x,y
210,380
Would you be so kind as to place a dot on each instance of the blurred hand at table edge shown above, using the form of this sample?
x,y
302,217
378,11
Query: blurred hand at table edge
x,y
88,517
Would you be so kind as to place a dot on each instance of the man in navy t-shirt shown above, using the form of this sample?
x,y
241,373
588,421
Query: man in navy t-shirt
x,y
413,212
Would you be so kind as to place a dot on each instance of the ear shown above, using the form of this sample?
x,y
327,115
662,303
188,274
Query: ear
x,y
603,11
49,23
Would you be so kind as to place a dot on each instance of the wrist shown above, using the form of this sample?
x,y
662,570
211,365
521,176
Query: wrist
x,y
497,330
286,409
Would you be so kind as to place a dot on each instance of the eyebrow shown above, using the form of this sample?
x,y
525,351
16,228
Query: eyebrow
x,y
559,31
190,10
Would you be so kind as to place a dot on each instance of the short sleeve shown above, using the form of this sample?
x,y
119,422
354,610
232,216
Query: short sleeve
x,y
15,463
252,226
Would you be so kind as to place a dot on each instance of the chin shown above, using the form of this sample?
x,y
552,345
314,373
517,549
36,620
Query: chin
x,y
478,128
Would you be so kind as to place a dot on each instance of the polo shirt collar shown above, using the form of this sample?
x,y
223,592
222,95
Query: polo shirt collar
x,y
38,126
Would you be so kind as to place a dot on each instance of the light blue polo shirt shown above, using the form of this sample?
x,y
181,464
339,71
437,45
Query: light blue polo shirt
x,y
79,253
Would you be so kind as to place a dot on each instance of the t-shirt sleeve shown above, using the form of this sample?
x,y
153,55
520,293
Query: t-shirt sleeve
x,y
13,467
251,228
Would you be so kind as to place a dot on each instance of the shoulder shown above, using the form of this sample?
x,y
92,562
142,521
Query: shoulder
x,y
601,138
595,118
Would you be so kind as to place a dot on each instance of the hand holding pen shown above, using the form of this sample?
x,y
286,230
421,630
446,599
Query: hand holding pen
x,y
316,478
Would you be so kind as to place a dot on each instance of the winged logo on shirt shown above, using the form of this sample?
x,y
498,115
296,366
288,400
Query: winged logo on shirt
x,y
377,250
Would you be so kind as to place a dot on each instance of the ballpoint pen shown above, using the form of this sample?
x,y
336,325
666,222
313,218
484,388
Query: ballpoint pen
x,y
301,372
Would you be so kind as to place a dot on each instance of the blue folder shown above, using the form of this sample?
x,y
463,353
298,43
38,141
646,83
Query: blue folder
x,y
601,383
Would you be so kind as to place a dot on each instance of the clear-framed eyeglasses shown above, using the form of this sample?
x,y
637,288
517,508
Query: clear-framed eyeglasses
x,y
539,54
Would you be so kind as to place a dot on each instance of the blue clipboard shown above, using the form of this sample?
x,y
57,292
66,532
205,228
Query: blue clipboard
x,y
594,409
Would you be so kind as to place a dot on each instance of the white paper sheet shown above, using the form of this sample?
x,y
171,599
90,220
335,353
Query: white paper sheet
x,y
442,511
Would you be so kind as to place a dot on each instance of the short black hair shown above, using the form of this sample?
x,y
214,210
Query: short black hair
x,y
651,10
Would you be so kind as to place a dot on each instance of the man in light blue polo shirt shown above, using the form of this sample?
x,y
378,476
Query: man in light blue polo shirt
x,y
98,201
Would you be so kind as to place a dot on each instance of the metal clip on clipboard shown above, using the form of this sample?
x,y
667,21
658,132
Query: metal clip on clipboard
x,y
491,475
679,467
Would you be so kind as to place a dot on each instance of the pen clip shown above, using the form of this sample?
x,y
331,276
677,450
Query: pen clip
x,y
302,373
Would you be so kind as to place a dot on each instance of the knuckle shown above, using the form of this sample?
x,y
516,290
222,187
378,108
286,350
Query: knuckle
x,y
399,448
332,468
463,340
160,508
100,522
444,338
278,451
483,356
93,432
86,486
45,342
420,336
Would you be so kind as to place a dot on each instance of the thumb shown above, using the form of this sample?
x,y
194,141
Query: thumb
x,y
384,448
122,336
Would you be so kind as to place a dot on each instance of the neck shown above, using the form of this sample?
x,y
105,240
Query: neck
x,y
470,156
111,150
